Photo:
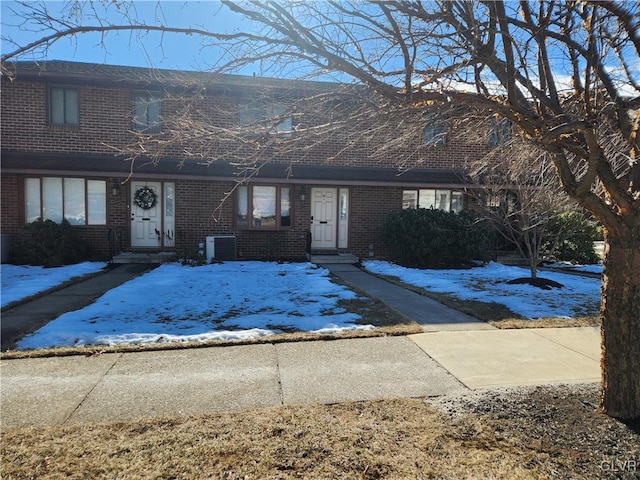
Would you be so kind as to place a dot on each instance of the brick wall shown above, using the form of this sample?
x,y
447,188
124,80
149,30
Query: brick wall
x,y
202,209
205,208
369,209
106,122
105,119
10,206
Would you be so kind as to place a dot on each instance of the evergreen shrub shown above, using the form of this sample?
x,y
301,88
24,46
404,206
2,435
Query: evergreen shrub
x,y
435,238
570,238
50,244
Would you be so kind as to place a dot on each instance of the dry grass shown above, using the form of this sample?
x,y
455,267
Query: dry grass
x,y
513,323
397,438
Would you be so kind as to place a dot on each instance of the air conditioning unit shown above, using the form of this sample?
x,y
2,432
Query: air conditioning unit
x,y
221,248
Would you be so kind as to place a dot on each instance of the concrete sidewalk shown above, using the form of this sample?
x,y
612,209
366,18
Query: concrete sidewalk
x,y
457,352
127,386
121,387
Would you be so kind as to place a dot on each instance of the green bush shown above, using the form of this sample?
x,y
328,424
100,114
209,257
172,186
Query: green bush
x,y
570,236
50,244
191,257
435,238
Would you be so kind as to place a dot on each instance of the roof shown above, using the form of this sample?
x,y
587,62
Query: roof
x,y
100,74
280,172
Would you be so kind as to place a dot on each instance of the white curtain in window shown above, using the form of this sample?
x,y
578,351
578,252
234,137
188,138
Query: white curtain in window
x,y
457,201
264,202
409,199
74,210
443,200
97,202
52,199
33,201
427,199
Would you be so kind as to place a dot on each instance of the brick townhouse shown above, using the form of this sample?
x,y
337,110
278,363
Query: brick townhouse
x,y
66,127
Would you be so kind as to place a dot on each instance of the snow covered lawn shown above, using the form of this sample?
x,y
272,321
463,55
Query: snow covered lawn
x,y
580,295
232,300
22,281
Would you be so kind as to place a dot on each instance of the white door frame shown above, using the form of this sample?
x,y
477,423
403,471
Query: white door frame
x,y
329,218
145,223
324,226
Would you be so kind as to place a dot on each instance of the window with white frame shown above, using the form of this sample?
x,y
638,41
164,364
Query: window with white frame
x,y
440,199
64,108
263,206
79,201
146,111
262,115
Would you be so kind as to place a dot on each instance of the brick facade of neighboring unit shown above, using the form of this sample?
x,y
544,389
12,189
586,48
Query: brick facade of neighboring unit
x,y
196,200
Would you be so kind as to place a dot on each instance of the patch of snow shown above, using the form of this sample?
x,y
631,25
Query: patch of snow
x,y
233,300
580,295
22,281
597,268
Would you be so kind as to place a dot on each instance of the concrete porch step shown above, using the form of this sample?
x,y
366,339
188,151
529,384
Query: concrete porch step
x,y
139,257
334,258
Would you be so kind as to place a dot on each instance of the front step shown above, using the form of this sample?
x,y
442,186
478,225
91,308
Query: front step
x,y
138,257
333,258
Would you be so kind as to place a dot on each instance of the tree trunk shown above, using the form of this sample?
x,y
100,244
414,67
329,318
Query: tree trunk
x,y
620,310
530,240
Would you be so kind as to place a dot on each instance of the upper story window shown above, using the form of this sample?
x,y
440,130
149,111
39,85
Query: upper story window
x,y
63,106
263,206
146,111
499,132
78,200
435,135
447,200
263,115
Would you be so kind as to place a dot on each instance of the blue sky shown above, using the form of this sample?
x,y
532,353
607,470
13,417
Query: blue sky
x,y
173,51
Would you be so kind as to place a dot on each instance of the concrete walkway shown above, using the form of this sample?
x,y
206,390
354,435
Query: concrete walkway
x,y
28,316
456,353
430,314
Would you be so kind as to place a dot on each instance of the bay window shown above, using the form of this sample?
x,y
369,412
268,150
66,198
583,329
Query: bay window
x,y
263,206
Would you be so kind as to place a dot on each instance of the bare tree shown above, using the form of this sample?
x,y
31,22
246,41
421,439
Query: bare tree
x,y
564,73
519,194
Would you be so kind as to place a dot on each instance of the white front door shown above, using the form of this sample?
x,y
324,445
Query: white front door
x,y
146,215
324,210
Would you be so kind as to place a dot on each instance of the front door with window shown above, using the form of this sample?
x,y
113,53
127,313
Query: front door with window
x,y
146,214
324,210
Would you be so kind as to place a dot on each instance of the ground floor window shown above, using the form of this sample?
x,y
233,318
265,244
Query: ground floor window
x,y
447,200
80,201
263,206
